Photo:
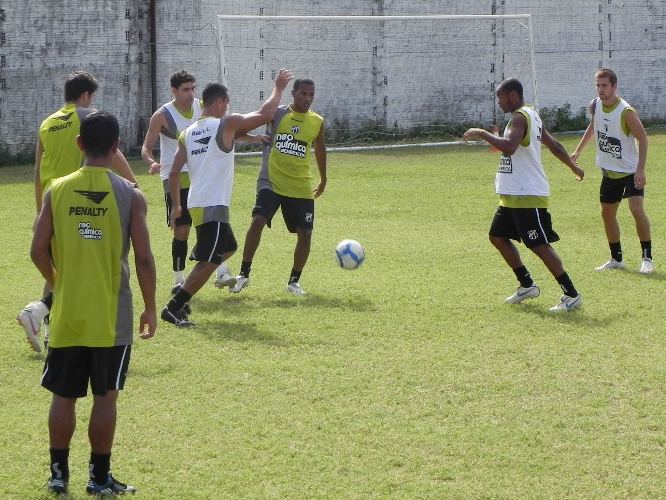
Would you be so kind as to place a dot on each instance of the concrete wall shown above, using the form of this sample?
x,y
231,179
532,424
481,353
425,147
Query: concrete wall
x,y
40,45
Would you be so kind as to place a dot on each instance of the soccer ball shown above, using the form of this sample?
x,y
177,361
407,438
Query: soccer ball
x,y
349,254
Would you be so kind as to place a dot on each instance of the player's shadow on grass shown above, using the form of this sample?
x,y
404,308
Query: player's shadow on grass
x,y
242,303
242,332
577,317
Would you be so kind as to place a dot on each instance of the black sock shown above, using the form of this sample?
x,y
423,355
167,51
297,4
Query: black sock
x,y
178,301
523,276
47,299
567,286
100,464
647,249
179,254
59,463
616,251
246,267
294,276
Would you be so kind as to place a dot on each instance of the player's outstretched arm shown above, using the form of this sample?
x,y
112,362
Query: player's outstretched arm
x,y
174,181
638,131
145,264
263,115
320,156
507,145
41,241
154,127
561,154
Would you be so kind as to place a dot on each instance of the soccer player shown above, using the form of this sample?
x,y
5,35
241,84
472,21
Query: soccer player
x,y
95,215
285,181
58,154
167,123
207,148
617,128
524,190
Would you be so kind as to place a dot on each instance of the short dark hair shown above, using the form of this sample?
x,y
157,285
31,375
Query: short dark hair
x,y
214,91
78,83
180,77
607,73
511,85
299,81
99,132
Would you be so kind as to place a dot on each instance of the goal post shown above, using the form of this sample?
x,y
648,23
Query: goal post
x,y
382,79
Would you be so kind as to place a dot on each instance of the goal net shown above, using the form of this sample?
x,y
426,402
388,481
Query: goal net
x,y
382,79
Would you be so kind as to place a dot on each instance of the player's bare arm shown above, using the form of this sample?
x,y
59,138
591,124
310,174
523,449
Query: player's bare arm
x,y
41,241
556,148
263,115
638,131
122,167
507,145
155,126
174,182
320,157
244,137
587,136
39,150
145,264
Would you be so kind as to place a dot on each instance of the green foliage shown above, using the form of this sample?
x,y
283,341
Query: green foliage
x,y
25,156
407,378
563,119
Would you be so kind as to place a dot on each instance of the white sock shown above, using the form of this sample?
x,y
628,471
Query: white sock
x,y
223,269
179,276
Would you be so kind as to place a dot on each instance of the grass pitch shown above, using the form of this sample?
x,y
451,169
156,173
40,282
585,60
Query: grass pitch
x,y
406,378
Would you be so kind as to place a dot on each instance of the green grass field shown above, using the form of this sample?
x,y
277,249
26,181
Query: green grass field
x,y
408,378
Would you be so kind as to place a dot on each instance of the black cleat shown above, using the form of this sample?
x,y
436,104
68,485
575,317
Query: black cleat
x,y
178,319
57,486
111,488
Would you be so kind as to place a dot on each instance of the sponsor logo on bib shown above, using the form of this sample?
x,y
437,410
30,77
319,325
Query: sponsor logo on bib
x,y
505,166
286,144
610,145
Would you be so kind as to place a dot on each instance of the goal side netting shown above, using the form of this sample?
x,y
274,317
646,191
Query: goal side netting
x,y
382,79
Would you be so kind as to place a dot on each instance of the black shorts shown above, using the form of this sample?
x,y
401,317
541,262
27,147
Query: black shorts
x,y
185,219
614,190
68,370
532,226
296,212
214,239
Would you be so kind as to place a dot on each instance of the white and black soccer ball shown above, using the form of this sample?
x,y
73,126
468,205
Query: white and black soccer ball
x,y
349,254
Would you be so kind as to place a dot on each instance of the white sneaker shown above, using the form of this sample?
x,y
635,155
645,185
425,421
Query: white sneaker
x,y
567,303
240,283
31,320
646,266
523,293
295,288
224,277
611,264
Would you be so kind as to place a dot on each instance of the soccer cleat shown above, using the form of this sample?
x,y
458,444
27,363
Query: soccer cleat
x,y
241,282
296,289
112,487
178,319
31,320
567,303
523,293
611,264
647,266
57,486
224,277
